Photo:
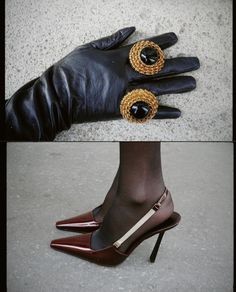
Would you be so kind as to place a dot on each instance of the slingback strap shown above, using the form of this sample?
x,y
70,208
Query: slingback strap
x,y
149,214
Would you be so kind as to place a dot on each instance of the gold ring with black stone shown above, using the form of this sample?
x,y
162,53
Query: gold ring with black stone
x,y
139,106
146,57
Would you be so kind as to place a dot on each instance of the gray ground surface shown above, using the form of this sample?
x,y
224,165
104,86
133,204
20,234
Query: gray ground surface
x,y
39,33
48,181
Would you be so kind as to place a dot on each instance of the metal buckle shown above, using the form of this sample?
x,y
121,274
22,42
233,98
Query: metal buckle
x,y
156,206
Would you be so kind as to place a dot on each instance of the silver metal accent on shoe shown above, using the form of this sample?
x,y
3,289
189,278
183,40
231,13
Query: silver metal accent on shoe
x,y
148,215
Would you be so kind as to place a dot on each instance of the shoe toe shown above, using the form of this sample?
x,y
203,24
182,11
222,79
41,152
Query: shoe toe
x,y
80,246
74,244
77,241
81,223
64,223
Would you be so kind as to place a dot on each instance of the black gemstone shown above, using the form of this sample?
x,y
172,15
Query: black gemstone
x,y
139,109
149,56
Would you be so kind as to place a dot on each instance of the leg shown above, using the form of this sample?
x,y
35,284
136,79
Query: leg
x,y
99,214
140,185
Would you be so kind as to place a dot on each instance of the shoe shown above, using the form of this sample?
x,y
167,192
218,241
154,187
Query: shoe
x,y
82,223
80,245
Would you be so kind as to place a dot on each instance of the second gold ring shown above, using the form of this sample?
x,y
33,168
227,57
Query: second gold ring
x,y
139,106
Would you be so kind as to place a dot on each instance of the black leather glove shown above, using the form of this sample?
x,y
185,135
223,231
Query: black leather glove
x,y
88,84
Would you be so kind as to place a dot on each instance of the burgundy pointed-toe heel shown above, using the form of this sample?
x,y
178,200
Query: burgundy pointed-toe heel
x,y
82,223
80,245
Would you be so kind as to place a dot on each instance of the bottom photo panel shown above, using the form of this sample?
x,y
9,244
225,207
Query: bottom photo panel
x,y
128,216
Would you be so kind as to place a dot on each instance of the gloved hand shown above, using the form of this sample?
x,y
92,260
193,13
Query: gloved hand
x,y
88,84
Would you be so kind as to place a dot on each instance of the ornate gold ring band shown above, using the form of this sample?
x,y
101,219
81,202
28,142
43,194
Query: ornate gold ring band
x,y
146,57
139,106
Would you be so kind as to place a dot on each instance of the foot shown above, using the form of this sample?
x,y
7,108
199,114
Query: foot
x,y
123,215
90,221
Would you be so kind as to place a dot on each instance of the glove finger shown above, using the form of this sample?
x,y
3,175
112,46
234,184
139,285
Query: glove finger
x,y
164,41
166,112
167,85
114,40
172,66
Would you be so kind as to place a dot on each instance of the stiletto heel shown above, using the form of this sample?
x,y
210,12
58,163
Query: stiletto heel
x,y
80,245
156,247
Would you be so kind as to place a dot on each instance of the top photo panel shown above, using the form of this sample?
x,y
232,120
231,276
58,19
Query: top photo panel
x,y
123,70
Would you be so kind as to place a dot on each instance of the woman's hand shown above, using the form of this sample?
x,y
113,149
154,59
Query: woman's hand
x,y
88,84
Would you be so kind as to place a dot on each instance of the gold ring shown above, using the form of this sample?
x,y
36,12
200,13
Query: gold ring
x,y
146,57
139,105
